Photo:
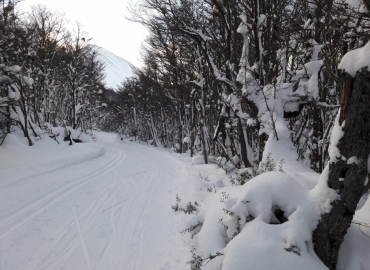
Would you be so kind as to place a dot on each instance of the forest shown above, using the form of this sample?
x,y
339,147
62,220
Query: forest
x,y
50,76
228,81
228,78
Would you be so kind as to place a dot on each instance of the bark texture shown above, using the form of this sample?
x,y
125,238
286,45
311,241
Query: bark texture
x,y
347,179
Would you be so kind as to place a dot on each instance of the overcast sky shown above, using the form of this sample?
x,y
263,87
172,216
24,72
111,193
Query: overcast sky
x,y
104,20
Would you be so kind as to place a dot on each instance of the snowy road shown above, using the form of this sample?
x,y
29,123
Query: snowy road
x,y
112,212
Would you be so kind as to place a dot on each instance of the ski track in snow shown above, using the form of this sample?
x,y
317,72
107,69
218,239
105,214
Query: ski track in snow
x,y
53,197
112,212
80,234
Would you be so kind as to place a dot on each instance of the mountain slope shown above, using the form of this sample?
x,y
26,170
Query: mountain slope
x,y
117,69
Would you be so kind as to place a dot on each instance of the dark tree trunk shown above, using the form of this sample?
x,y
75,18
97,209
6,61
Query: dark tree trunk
x,y
192,139
316,137
70,138
243,145
8,119
185,147
180,138
347,179
203,140
193,127
262,139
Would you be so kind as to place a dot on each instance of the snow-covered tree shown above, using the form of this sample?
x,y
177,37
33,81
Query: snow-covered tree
x,y
250,78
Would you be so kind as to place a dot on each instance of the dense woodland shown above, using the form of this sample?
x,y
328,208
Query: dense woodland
x,y
219,78
49,75
212,70
222,76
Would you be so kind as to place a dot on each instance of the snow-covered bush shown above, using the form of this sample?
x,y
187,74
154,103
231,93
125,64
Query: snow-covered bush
x,y
242,224
244,175
188,208
61,134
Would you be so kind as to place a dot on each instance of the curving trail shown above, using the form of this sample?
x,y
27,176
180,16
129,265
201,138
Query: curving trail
x,y
111,212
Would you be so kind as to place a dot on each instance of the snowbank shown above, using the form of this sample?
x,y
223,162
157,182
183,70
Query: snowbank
x,y
283,150
198,160
19,161
60,134
268,222
262,246
243,224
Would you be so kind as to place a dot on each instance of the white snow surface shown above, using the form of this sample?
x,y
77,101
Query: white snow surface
x,y
106,205
198,160
224,224
187,140
354,252
102,205
354,3
18,161
117,69
356,60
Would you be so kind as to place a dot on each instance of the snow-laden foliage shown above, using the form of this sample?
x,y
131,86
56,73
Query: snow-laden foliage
x,y
243,79
244,225
223,72
269,221
48,75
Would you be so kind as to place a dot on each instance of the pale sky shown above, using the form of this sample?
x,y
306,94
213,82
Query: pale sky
x,y
104,21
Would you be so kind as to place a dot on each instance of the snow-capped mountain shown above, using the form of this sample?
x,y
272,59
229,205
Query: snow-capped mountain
x,y
117,69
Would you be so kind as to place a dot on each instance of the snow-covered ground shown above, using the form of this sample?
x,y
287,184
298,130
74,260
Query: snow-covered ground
x,y
221,225
107,206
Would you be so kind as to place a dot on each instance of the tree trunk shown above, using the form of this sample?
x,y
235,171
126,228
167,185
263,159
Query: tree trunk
x,y
203,140
8,119
349,180
316,137
243,145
